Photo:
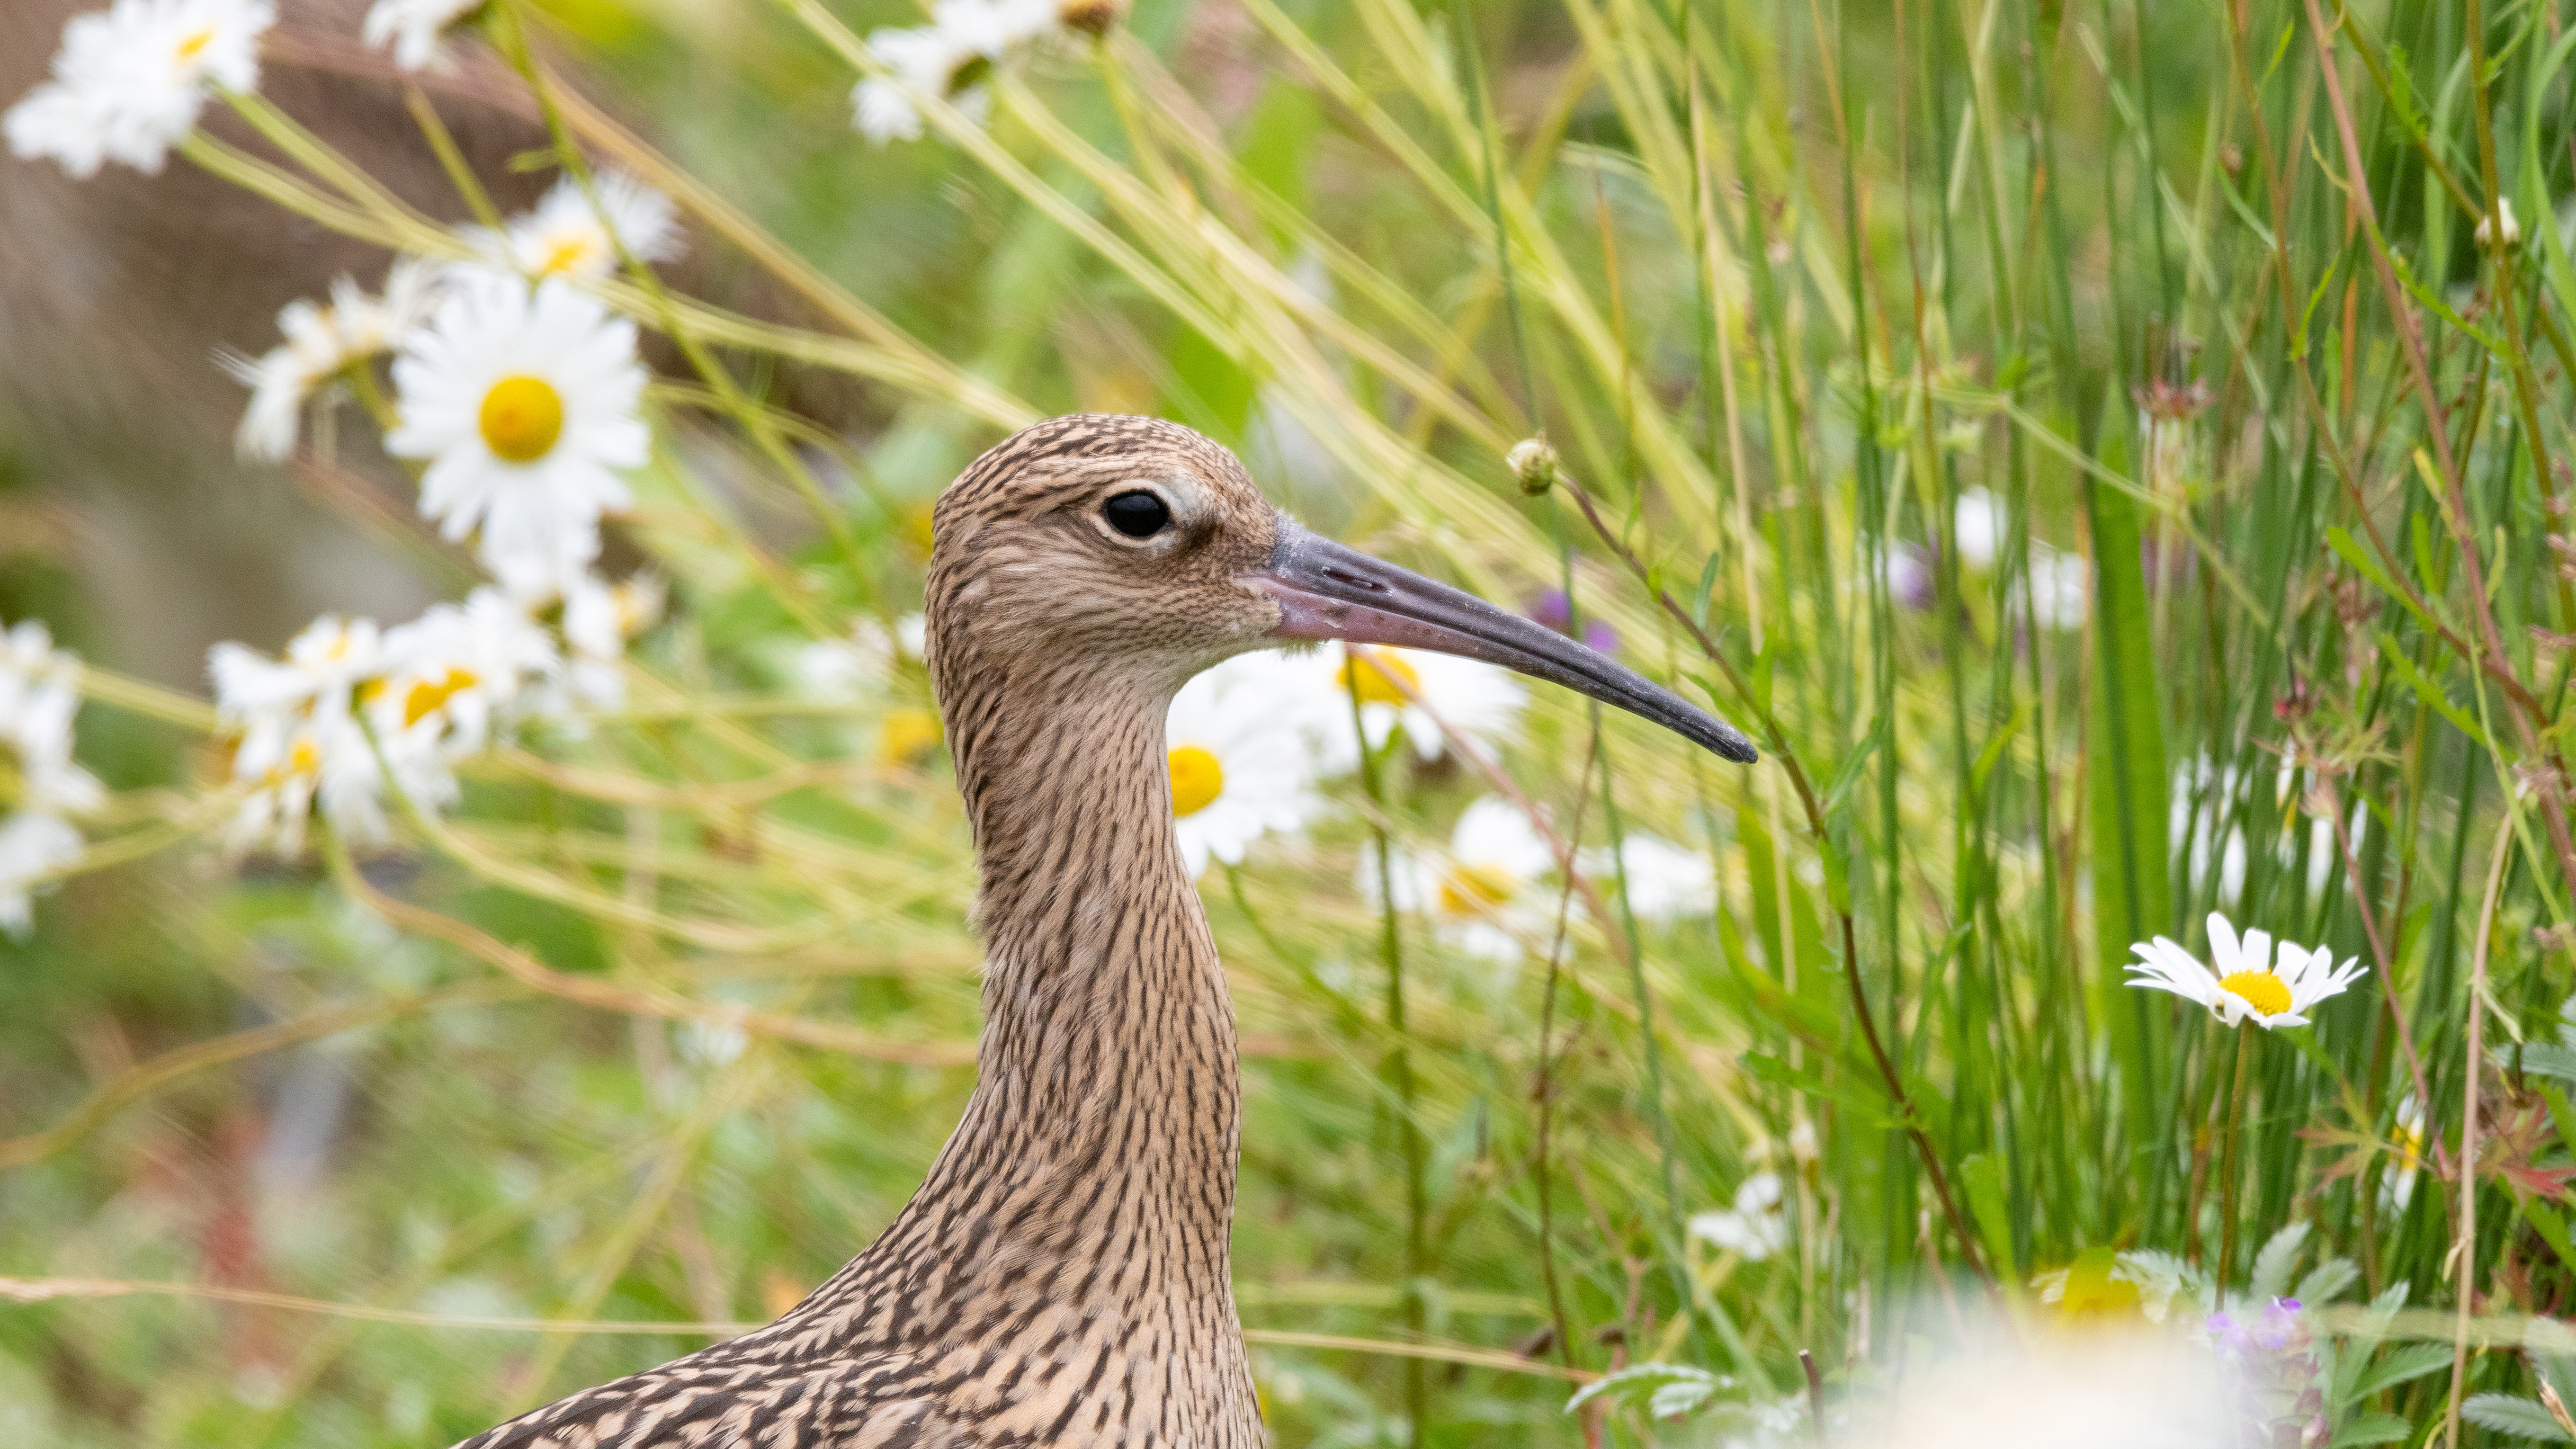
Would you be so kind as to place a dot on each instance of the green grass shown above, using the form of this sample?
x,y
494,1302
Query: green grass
x,y
1783,284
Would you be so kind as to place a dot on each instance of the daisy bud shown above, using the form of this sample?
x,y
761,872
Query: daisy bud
x,y
1092,17
1534,463
2512,234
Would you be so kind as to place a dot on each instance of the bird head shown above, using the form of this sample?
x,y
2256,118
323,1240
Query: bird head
x,y
1134,549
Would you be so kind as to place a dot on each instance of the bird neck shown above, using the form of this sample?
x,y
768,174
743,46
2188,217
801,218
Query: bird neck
x,y
1101,1138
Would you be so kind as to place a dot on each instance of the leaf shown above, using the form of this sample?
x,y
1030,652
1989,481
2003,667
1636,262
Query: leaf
x,y
2549,1059
2373,1429
2402,1365
2428,691
1853,764
2327,1280
1706,591
1983,1177
2361,562
1664,1390
2129,781
2510,1414
2280,1256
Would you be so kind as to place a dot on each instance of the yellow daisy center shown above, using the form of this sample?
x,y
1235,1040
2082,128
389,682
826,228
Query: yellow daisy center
x,y
2091,1291
2262,990
190,48
1197,779
305,758
1371,677
907,733
564,255
1472,889
522,416
969,73
429,696
13,780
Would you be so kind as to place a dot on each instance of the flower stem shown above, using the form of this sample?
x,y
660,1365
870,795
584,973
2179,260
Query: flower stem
x,y
2227,1164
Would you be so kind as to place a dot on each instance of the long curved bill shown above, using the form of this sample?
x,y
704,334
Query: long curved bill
x,y
1328,591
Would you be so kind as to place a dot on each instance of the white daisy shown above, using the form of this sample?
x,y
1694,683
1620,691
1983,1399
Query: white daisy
x,y
33,844
1666,882
322,342
302,743
525,406
1418,692
413,28
1483,897
459,672
950,58
598,620
1239,764
39,784
2248,982
2397,1184
1756,1227
1980,525
563,235
129,81
2060,588
861,665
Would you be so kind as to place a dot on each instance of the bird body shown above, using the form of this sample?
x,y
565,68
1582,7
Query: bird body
x,y
1062,1276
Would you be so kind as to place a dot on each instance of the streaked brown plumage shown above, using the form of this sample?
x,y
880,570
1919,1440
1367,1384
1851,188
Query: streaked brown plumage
x,y
1061,1278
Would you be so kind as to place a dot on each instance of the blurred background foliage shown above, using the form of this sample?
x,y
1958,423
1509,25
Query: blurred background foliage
x,y
2074,425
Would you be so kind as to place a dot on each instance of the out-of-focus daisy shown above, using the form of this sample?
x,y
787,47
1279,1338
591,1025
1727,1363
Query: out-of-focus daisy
x,y
129,81
563,235
862,664
1480,701
599,618
2060,588
458,673
1240,765
414,28
1483,896
2247,980
1980,525
2406,1134
907,734
1756,1227
322,342
949,58
302,743
40,787
1666,882
525,406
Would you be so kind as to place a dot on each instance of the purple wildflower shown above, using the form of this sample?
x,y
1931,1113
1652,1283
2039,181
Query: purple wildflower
x,y
1556,611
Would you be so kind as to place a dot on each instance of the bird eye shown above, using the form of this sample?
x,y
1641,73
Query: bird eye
x,y
1137,513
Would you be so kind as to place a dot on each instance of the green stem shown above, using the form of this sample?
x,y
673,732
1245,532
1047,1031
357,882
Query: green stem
x,y
1399,1060
2227,1163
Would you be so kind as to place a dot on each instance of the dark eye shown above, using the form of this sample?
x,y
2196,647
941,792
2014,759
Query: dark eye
x,y
1137,513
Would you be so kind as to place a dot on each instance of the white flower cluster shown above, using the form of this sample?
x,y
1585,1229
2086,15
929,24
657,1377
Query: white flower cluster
x,y
1251,740
41,790
129,81
2060,585
353,716
519,395
952,57
322,342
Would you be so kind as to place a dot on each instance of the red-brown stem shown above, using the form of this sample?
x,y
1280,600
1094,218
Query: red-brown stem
x,y
1779,742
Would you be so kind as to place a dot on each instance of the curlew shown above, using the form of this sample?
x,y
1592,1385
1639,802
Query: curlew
x,y
1061,1277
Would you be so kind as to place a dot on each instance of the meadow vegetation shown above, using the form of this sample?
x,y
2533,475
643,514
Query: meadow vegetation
x,y
2114,459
